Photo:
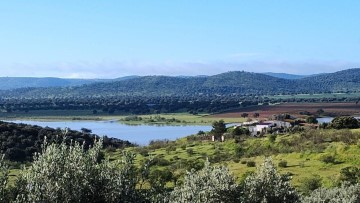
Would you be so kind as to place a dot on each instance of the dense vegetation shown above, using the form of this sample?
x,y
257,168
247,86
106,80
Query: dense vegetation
x,y
7,83
74,175
162,94
19,142
302,152
230,83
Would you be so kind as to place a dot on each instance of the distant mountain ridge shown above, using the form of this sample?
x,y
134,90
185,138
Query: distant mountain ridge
x,y
229,83
8,83
290,76
286,75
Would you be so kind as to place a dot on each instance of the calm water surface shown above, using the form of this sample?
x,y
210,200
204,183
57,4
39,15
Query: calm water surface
x,y
139,134
328,119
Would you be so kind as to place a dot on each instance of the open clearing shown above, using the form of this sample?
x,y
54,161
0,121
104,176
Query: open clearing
x,y
330,109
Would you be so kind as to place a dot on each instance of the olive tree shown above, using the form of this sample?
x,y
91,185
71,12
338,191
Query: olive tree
x,y
267,185
4,177
345,193
210,184
68,173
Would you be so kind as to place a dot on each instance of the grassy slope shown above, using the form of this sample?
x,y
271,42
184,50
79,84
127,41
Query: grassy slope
x,y
300,164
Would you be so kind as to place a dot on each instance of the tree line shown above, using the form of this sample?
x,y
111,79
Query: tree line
x,y
149,105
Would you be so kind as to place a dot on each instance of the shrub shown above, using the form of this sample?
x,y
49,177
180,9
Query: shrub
x,y
170,149
65,173
201,132
251,164
159,161
195,164
328,159
311,119
157,144
310,184
350,174
267,185
190,151
272,138
4,177
342,122
282,164
183,147
239,151
143,151
211,184
348,194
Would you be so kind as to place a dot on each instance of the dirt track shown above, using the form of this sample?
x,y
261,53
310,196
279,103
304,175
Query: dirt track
x,y
334,109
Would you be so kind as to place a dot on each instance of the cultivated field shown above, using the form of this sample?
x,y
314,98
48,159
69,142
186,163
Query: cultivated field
x,y
295,109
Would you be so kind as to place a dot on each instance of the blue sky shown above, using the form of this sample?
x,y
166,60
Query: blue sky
x,y
113,38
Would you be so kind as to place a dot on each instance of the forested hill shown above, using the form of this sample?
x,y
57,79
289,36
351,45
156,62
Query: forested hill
x,y
9,83
286,75
229,83
341,81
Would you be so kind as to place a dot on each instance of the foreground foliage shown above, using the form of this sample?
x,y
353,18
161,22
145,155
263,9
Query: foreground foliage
x,y
4,177
267,185
65,173
345,193
69,173
211,184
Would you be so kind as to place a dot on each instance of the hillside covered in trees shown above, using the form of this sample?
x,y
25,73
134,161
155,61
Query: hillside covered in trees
x,y
10,83
202,94
229,83
19,142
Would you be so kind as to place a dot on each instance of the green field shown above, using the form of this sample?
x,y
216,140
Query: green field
x,y
182,155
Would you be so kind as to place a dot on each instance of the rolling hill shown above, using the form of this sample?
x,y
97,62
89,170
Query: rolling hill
x,y
229,83
286,75
9,83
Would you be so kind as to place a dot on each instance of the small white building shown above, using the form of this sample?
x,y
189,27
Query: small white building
x,y
280,124
263,126
256,127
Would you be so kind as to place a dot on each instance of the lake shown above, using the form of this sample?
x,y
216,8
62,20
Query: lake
x,y
139,134
328,119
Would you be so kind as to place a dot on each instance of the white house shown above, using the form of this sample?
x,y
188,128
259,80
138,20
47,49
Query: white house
x,y
262,126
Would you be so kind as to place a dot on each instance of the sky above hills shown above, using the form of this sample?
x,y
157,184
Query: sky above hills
x,y
108,39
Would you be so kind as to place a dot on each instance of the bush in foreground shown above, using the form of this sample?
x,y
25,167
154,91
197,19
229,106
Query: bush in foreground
x,y
65,173
211,184
68,173
267,185
4,177
348,194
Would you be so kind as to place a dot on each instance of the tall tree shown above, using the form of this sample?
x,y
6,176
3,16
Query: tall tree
x,y
219,128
